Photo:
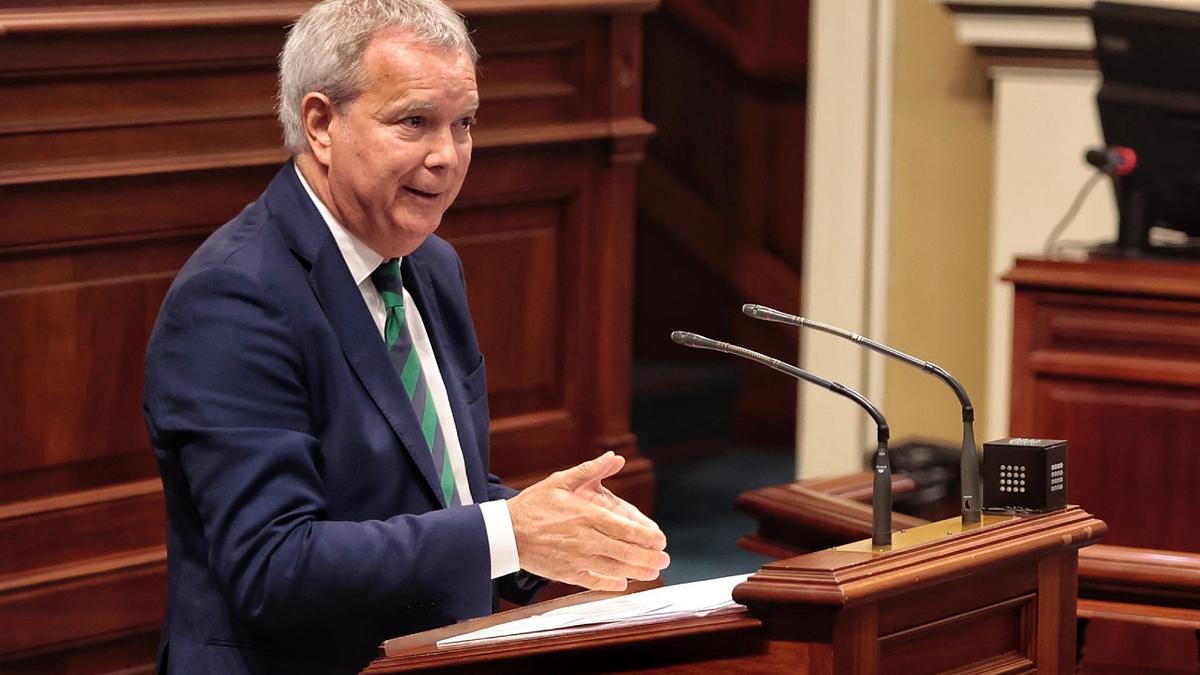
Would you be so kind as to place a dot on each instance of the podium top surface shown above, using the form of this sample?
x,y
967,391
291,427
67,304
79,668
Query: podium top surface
x,y
941,551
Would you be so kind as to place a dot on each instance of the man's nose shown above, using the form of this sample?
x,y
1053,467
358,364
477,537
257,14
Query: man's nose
x,y
441,152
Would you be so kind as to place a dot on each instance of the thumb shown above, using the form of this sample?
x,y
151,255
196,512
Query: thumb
x,y
593,470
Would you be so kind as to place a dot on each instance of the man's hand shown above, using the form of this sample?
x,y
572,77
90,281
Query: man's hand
x,y
570,528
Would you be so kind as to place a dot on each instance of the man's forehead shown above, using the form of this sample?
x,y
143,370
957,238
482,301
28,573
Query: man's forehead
x,y
392,40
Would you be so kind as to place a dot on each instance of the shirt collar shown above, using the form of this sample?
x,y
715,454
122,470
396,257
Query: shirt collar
x,y
361,259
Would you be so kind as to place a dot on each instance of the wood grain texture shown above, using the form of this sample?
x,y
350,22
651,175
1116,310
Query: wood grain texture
x,y
721,194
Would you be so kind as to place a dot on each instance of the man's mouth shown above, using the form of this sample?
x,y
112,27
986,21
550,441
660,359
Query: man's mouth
x,y
421,193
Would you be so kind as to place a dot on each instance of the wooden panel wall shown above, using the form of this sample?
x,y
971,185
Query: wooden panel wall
x,y
133,129
1106,354
721,196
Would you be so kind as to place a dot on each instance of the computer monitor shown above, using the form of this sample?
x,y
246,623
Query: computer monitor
x,y
1150,102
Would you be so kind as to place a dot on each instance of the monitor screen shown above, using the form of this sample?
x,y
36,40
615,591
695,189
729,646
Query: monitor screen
x,y
1150,102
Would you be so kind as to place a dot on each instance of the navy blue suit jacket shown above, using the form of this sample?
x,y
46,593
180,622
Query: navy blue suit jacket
x,y
305,524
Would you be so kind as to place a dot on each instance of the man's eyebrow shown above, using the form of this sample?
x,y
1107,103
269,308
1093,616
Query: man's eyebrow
x,y
423,106
416,106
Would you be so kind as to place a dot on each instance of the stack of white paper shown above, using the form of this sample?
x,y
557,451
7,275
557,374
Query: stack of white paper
x,y
699,598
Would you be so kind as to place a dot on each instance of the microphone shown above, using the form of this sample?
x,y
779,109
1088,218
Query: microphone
x,y
972,511
1115,160
881,500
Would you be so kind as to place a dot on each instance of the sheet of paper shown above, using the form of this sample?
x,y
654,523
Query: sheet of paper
x,y
698,598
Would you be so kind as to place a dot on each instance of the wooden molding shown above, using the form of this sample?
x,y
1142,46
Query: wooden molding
x,y
148,166
80,600
571,132
865,577
79,499
82,570
150,16
1031,33
90,524
1037,33
1118,368
1154,570
1146,278
752,55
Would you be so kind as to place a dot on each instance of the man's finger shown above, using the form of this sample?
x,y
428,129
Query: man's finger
x,y
632,557
621,528
593,470
621,507
599,582
616,568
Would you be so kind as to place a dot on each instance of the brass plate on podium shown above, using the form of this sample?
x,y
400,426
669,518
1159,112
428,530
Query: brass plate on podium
x,y
915,536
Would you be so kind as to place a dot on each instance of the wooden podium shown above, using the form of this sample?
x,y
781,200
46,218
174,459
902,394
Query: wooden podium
x,y
997,597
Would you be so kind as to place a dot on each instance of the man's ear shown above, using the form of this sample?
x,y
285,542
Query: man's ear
x,y
316,113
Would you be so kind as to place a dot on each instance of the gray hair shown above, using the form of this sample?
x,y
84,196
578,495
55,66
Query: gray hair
x,y
324,50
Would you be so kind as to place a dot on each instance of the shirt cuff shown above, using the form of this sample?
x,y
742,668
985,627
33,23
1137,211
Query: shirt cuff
x,y
502,542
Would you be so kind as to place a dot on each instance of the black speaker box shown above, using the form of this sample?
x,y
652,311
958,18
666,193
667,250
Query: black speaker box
x,y
1024,474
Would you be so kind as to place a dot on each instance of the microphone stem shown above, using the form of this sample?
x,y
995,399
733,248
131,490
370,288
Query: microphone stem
x,y
881,503
968,474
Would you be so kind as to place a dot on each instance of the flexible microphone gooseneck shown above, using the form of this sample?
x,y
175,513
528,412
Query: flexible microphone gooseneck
x,y
881,500
972,511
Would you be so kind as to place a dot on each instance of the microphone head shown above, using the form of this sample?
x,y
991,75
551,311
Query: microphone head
x,y
687,339
1124,160
1116,160
753,311
764,313
684,338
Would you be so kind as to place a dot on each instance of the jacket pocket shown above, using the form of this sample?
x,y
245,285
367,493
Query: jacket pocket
x,y
475,384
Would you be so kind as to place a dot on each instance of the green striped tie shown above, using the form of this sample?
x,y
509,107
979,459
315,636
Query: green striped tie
x,y
404,358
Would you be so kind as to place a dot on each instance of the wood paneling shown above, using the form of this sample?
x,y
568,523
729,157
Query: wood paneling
x,y
1105,355
721,199
1001,634
138,128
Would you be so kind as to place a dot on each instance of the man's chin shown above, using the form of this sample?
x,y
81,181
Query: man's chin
x,y
411,233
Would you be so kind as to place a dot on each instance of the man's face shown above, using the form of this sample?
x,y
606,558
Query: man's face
x,y
399,152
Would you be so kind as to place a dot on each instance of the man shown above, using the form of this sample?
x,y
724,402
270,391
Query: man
x,y
316,396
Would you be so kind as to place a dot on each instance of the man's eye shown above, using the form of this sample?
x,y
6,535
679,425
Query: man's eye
x,y
467,122
413,122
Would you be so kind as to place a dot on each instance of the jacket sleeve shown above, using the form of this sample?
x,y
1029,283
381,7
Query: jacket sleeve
x,y
229,413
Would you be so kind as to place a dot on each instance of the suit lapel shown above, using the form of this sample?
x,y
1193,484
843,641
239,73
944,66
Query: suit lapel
x,y
340,299
420,287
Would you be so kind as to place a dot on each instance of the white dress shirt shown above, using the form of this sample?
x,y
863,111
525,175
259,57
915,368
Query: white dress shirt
x,y
361,260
